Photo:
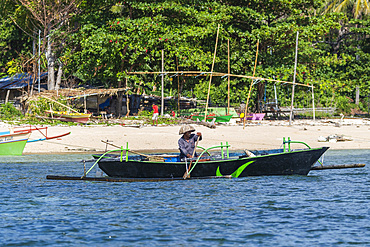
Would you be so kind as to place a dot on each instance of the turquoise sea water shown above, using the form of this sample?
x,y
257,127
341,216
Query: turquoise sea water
x,y
326,208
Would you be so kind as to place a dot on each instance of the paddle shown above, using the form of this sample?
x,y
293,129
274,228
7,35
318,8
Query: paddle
x,y
156,158
186,174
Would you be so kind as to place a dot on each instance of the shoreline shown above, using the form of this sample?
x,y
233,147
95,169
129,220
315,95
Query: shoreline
x,y
256,135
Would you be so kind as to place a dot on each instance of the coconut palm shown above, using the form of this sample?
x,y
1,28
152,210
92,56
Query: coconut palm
x,y
359,7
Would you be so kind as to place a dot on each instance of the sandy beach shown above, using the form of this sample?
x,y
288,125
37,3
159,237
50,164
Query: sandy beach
x,y
255,136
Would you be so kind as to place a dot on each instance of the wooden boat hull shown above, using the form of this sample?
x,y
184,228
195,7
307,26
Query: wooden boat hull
x,y
201,118
297,162
75,119
223,119
255,116
218,119
70,117
13,143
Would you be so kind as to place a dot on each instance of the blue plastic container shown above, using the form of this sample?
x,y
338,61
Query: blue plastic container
x,y
172,159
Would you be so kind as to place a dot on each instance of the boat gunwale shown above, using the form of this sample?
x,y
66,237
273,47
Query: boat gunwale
x,y
208,161
16,134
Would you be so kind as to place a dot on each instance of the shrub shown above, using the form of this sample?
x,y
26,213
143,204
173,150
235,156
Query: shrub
x,y
9,112
343,105
145,113
40,105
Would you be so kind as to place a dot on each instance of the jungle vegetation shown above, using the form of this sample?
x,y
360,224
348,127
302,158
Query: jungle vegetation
x,y
97,42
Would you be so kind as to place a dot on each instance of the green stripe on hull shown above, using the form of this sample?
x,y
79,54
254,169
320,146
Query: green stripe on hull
x,y
12,148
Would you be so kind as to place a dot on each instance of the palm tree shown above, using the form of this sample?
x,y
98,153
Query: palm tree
x,y
359,7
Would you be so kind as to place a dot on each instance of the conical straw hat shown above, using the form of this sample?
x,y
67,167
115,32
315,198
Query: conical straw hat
x,y
186,128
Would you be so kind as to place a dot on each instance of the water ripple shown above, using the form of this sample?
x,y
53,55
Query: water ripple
x,y
326,208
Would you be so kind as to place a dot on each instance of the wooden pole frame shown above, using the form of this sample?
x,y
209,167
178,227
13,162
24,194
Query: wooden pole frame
x,y
295,71
178,89
162,90
205,73
250,88
210,78
202,73
313,104
228,77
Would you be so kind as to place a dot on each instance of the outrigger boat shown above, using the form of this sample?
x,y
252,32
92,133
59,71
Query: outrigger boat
x,y
211,117
283,161
13,143
70,116
14,140
224,164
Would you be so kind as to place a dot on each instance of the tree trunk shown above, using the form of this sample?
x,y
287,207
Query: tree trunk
x,y
342,31
51,60
59,76
119,103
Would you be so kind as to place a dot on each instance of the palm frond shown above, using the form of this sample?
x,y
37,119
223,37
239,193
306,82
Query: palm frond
x,y
367,7
358,7
342,6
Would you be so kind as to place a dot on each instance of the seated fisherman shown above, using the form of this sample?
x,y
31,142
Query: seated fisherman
x,y
187,141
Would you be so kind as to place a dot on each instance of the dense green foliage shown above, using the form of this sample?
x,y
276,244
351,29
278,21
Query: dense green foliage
x,y
9,112
112,38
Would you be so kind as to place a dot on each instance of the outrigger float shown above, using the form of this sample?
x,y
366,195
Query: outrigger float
x,y
225,164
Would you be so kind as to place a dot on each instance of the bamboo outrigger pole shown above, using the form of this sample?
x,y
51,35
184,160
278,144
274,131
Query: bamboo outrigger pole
x,y
59,103
250,88
210,78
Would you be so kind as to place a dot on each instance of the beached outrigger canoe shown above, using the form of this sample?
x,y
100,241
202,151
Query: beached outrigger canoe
x,y
70,116
211,117
12,143
14,140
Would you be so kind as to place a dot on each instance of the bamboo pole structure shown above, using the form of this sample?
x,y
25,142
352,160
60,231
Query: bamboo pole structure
x,y
250,88
178,89
167,72
38,61
202,73
228,77
295,71
85,109
162,91
313,103
97,104
210,78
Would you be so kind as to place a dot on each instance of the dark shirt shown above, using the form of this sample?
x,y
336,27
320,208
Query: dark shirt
x,y
188,147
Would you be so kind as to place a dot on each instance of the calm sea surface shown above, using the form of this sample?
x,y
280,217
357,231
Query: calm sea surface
x,y
326,208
